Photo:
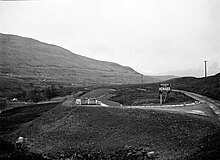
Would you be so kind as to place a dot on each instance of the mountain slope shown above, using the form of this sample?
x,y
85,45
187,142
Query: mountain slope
x,y
164,77
209,86
32,60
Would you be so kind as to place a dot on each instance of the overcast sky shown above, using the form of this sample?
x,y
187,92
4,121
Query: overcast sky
x,y
152,36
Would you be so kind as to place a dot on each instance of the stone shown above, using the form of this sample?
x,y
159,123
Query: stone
x,y
151,154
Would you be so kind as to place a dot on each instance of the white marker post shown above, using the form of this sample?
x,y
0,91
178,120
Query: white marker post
x,y
161,98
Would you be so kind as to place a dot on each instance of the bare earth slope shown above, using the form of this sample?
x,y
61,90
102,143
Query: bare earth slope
x,y
28,58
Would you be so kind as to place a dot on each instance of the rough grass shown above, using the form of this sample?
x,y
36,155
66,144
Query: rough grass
x,y
134,96
146,94
171,135
96,93
12,120
209,86
9,151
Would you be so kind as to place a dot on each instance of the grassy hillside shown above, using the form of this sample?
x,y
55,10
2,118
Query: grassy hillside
x,y
105,132
209,86
165,77
34,61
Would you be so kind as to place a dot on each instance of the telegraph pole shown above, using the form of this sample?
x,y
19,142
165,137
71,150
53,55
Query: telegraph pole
x,y
205,69
141,78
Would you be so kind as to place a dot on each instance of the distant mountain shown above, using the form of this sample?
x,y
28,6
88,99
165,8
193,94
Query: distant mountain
x,y
164,77
32,61
209,86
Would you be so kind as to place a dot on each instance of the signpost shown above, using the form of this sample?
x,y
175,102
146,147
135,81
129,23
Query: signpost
x,y
163,89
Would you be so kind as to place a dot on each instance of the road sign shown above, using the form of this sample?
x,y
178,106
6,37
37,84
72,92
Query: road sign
x,y
164,88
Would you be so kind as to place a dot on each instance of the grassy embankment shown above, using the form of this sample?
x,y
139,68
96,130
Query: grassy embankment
x,y
106,130
209,86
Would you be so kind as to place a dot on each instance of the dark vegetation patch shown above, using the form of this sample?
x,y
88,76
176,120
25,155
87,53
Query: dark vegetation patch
x,y
9,151
141,94
32,92
209,86
209,148
134,96
11,120
126,153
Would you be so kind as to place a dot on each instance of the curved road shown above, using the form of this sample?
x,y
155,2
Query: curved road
x,y
213,104
203,106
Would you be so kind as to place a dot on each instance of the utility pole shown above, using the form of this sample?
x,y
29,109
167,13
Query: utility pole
x,y
141,78
205,69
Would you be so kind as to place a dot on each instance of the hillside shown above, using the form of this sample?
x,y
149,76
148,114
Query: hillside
x,y
28,60
164,77
102,131
209,86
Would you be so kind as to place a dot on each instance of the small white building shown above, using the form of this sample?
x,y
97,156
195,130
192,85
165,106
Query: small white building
x,y
87,101
78,102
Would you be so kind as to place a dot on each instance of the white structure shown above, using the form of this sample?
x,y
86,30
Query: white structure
x,y
87,101
14,99
20,140
78,102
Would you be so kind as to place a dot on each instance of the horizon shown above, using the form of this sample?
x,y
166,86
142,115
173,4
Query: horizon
x,y
133,29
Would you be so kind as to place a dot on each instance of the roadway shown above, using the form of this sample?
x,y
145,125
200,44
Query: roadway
x,y
213,104
203,106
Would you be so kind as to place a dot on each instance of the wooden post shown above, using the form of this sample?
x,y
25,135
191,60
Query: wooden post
x,y
165,97
161,98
